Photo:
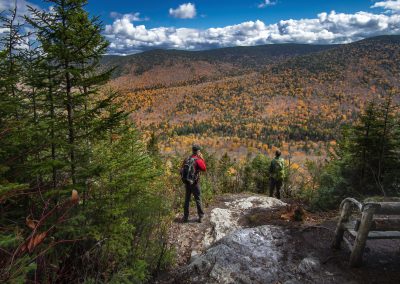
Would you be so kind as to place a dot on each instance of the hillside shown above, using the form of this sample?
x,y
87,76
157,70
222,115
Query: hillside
x,y
94,184
298,102
160,68
372,62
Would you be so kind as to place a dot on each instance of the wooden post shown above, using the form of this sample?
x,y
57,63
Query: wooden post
x,y
362,235
344,217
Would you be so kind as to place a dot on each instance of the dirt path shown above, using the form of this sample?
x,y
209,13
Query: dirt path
x,y
309,239
187,238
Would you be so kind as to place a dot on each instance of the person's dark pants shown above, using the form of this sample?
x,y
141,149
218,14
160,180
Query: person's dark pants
x,y
275,185
195,190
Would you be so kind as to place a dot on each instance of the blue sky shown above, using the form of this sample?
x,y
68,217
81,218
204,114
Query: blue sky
x,y
134,26
220,13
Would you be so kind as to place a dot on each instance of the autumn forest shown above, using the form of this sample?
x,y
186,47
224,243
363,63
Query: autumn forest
x,y
92,144
295,96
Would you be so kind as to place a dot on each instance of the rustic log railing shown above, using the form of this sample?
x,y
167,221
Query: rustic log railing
x,y
379,220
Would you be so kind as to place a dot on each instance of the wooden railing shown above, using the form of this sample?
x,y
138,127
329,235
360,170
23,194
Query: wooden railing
x,y
379,220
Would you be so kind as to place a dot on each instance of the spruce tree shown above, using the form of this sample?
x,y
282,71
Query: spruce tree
x,y
73,45
373,148
11,105
14,151
365,136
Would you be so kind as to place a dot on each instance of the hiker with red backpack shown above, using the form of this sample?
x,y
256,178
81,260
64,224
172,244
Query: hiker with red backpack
x,y
277,174
190,174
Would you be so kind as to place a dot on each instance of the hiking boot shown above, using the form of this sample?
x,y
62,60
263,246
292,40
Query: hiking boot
x,y
185,220
199,220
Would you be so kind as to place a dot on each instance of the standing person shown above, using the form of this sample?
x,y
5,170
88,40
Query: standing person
x,y
277,174
190,173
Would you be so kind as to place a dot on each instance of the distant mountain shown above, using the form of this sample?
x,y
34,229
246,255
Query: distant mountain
x,y
171,67
283,96
369,59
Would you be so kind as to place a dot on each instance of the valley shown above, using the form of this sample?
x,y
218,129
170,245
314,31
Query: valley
x,y
247,100
286,120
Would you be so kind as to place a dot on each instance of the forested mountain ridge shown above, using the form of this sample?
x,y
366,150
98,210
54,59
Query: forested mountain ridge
x,y
162,68
367,62
307,97
170,67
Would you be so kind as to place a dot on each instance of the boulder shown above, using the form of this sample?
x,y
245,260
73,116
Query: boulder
x,y
225,220
244,256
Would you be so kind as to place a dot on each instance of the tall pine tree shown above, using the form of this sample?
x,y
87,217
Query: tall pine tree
x,y
73,46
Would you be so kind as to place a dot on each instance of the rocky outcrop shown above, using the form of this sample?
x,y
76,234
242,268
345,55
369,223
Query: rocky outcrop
x,y
235,252
250,239
250,255
226,219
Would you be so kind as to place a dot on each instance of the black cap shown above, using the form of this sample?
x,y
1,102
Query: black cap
x,y
196,147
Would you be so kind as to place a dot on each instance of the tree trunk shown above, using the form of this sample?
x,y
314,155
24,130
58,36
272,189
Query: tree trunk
x,y
384,139
71,131
70,106
52,134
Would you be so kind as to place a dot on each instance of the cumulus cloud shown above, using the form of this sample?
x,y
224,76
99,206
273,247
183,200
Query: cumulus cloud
x,y
266,3
391,5
326,28
184,11
133,17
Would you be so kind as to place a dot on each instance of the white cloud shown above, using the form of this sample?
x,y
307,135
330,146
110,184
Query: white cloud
x,y
184,11
22,9
2,31
133,17
391,5
266,3
327,28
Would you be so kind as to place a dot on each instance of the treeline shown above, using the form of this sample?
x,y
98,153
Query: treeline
x,y
264,131
79,192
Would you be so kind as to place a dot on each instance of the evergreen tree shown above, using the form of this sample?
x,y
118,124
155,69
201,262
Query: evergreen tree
x,y
373,148
152,145
365,144
13,149
260,166
73,45
128,209
61,129
11,106
366,159
247,175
